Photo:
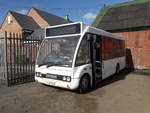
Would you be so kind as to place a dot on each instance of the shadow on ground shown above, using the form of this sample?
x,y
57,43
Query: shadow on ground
x,y
114,78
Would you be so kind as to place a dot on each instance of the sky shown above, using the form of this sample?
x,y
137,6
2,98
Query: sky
x,y
78,10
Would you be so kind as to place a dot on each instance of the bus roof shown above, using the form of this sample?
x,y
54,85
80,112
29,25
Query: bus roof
x,y
103,33
84,28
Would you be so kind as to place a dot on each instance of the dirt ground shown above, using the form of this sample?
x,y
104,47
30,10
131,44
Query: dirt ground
x,y
124,93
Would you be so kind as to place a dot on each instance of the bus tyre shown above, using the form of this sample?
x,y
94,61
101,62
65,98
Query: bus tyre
x,y
84,84
117,69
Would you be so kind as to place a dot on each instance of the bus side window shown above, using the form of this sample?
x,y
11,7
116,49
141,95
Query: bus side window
x,y
83,56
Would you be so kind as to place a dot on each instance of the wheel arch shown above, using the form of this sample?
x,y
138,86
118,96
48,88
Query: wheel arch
x,y
89,76
117,67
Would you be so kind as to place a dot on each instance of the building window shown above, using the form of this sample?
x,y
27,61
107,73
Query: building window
x,y
9,20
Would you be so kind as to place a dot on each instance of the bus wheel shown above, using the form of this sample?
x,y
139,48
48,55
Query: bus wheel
x,y
84,84
117,69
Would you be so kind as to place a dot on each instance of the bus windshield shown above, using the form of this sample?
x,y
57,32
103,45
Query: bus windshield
x,y
57,51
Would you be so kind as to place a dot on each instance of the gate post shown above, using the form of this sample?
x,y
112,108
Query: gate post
x,y
5,58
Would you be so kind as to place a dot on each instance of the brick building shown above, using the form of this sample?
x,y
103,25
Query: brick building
x,y
132,21
26,24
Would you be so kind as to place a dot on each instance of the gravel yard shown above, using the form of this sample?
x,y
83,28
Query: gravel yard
x,y
124,93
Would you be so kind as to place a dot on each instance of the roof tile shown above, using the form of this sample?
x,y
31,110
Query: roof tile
x,y
25,21
50,18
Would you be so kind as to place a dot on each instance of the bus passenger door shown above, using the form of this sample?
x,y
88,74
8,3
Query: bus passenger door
x,y
96,58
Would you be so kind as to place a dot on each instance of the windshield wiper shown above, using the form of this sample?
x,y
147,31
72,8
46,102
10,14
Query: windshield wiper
x,y
44,64
53,64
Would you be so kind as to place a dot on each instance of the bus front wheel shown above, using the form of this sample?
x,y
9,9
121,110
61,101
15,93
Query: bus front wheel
x,y
84,84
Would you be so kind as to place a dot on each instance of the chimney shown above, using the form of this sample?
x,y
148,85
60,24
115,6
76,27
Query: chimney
x,y
104,5
67,17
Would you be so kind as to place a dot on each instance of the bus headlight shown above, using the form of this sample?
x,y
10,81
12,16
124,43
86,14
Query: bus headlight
x,y
38,74
68,79
64,78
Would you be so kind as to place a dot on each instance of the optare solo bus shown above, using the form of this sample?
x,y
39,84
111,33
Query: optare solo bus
x,y
78,56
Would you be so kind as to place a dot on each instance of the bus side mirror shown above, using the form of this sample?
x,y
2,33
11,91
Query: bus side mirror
x,y
97,45
89,37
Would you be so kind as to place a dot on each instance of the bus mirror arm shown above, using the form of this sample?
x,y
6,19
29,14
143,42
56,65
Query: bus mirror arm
x,y
88,37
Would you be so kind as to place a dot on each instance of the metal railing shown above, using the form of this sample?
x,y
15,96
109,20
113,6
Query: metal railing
x,y
17,58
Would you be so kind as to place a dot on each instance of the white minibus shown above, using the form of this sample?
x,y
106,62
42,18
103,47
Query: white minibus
x,y
78,56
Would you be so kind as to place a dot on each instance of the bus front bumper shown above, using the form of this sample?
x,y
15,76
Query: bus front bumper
x,y
74,84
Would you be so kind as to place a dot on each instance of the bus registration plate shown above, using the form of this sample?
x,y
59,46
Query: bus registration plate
x,y
51,83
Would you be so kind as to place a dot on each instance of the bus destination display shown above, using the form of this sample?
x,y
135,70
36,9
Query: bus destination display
x,y
63,30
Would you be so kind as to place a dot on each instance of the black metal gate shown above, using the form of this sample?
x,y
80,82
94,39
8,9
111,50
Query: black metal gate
x,y
17,58
3,77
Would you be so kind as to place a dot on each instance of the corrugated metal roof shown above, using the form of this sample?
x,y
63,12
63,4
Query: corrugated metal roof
x,y
131,16
125,17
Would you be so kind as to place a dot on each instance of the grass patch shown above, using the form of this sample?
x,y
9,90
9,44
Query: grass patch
x,y
142,71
